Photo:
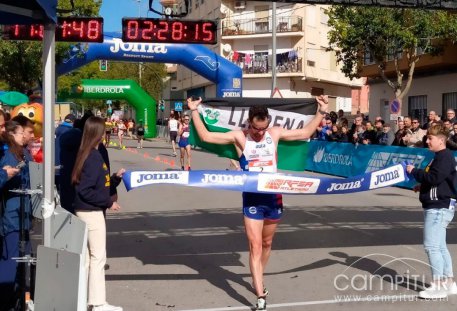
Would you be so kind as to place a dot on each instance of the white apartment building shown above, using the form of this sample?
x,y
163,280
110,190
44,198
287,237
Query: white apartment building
x,y
304,68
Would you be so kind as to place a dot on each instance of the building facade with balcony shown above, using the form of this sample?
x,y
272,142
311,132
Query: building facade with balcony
x,y
434,86
303,66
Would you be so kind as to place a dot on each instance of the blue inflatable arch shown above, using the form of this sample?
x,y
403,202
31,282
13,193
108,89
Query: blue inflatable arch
x,y
198,58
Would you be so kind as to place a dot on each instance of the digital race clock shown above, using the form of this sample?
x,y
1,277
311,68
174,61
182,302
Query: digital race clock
x,y
68,29
154,30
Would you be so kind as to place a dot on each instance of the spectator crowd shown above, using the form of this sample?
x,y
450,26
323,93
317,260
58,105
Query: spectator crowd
x,y
409,132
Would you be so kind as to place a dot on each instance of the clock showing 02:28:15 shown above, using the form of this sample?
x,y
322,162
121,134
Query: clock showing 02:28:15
x,y
155,30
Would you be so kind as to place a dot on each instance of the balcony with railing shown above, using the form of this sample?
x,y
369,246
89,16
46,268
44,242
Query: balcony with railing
x,y
260,63
231,27
426,64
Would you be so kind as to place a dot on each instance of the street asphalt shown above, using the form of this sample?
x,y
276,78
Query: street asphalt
x,y
180,248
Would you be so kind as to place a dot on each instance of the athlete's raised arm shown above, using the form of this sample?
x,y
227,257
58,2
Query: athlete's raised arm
x,y
203,133
310,128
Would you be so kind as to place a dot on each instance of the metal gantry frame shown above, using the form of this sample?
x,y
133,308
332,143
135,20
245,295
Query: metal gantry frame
x,y
41,11
49,78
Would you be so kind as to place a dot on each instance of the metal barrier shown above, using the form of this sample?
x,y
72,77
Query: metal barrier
x,y
163,132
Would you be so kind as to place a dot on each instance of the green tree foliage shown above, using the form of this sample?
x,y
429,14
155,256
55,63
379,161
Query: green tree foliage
x,y
383,34
3,85
20,64
82,7
66,83
151,75
21,61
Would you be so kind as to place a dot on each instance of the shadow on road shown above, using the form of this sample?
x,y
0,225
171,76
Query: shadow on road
x,y
207,240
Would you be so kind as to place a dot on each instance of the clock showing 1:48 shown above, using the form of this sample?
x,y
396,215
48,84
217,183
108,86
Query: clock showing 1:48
x,y
68,29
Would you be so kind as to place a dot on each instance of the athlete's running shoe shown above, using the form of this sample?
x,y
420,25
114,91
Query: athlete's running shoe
x,y
452,289
265,290
434,292
261,304
106,307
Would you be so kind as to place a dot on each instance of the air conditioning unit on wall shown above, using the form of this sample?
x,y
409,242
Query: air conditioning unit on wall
x,y
239,5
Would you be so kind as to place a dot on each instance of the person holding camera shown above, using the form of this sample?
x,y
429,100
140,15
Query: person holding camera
x,y
15,163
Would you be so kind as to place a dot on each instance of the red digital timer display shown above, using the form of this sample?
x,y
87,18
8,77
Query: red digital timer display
x,y
154,30
69,29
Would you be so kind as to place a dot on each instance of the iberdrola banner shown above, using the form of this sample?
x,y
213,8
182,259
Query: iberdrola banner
x,y
226,114
267,182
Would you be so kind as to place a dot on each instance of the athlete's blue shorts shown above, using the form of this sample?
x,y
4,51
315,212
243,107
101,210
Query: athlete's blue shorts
x,y
262,206
183,143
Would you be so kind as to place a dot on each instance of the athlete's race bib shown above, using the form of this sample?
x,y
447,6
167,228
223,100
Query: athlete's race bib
x,y
261,166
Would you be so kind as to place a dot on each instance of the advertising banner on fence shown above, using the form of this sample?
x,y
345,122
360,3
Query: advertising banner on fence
x,y
345,159
330,158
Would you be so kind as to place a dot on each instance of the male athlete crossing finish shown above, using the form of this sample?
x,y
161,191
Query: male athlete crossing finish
x,y
257,151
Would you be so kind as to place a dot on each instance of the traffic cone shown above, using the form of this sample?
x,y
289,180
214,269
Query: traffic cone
x,y
157,158
172,163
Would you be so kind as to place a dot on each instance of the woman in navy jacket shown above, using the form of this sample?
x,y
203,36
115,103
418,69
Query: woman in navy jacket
x,y
437,193
10,220
92,186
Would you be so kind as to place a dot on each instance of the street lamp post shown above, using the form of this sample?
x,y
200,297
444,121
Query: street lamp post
x,y
139,63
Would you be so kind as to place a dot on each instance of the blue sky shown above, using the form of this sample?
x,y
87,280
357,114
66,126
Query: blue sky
x,y
113,11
